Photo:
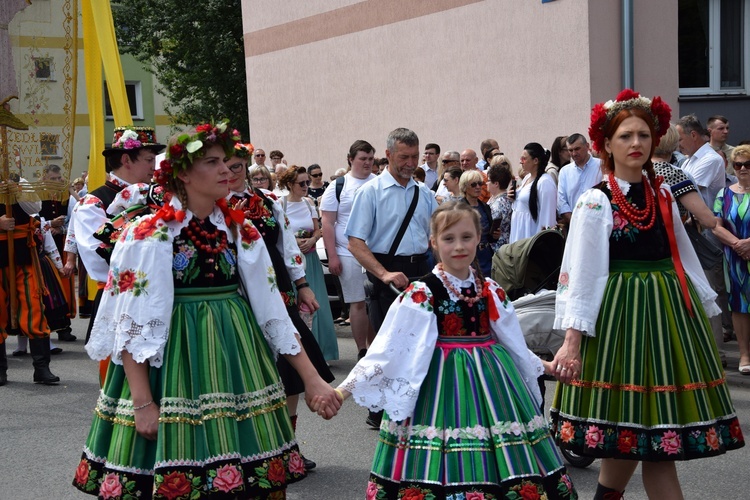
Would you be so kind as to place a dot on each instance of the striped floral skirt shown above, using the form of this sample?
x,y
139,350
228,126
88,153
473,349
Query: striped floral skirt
x,y
224,430
475,433
652,386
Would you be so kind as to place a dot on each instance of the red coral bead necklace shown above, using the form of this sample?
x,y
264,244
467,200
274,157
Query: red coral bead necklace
x,y
469,300
195,231
636,216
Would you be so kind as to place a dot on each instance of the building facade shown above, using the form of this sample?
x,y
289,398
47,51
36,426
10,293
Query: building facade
x,y
323,73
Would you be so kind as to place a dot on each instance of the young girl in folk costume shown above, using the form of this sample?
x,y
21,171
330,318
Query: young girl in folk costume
x,y
641,373
459,387
192,405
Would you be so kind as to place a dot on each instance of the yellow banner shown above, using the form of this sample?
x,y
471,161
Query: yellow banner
x,y
101,46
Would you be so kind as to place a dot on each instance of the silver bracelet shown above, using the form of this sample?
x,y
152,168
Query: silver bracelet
x,y
143,405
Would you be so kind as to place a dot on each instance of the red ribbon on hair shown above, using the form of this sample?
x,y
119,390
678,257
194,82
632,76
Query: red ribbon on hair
x,y
237,216
666,213
491,307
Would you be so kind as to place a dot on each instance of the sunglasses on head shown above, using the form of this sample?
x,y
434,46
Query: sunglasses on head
x,y
742,164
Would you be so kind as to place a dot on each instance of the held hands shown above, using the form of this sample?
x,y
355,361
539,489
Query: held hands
x,y
305,244
566,366
742,248
322,398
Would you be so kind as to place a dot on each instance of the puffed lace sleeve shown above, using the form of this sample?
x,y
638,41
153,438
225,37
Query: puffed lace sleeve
x,y
390,376
137,300
692,265
507,331
585,265
261,290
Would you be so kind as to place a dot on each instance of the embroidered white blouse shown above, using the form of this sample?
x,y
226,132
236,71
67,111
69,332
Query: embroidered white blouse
x,y
136,306
390,376
585,266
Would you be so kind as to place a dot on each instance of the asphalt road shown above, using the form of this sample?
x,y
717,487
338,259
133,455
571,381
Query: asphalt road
x,y
42,431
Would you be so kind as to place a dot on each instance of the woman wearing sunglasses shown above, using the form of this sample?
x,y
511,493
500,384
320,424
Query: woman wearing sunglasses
x,y
731,206
303,221
267,215
317,184
470,185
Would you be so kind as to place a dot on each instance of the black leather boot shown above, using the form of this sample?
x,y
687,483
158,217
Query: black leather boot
x,y
3,365
40,359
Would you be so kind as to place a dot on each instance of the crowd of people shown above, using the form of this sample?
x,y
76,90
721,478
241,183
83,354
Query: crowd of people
x,y
200,389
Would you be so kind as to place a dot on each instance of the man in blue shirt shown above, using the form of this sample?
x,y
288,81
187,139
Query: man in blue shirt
x,y
379,209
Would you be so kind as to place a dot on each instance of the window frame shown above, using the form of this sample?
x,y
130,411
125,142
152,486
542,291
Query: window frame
x,y
137,84
714,56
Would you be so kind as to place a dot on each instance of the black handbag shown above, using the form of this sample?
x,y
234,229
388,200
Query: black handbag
x,y
709,254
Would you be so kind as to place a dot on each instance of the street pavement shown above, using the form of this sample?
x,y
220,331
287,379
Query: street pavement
x,y
43,430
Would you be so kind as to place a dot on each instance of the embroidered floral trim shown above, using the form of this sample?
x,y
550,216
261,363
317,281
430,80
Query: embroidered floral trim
x,y
480,432
126,280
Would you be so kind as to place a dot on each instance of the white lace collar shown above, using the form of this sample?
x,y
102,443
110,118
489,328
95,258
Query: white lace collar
x,y
624,185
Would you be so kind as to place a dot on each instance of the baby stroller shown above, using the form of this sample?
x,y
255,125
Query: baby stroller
x,y
528,271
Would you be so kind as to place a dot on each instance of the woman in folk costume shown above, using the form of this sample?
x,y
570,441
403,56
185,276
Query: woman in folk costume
x,y
641,377
192,405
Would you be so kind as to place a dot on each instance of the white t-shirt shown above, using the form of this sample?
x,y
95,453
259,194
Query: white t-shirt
x,y
300,215
342,207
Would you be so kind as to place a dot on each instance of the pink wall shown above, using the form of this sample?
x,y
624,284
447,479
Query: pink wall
x,y
324,73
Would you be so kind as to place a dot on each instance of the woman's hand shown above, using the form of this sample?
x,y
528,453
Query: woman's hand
x,y
322,398
567,362
305,244
307,296
147,421
742,247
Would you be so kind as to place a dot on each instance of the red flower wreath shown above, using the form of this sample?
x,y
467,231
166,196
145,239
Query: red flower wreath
x,y
602,113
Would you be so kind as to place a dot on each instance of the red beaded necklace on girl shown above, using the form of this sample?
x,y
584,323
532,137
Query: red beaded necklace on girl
x,y
469,300
194,231
630,212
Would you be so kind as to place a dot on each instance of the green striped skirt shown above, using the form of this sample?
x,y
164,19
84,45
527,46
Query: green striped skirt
x,y
651,385
224,430
475,433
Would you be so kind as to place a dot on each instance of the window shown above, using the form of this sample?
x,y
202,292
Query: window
x,y
135,100
44,69
712,44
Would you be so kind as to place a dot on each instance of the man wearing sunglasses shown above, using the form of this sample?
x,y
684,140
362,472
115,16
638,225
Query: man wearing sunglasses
x,y
259,158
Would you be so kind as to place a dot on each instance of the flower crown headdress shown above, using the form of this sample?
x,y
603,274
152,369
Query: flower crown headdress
x,y
602,113
189,148
243,150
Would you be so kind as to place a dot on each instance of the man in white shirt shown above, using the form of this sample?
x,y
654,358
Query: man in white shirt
x,y
430,166
259,158
706,168
583,172
336,206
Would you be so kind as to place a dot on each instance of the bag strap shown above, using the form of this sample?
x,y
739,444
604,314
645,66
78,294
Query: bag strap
x,y
404,223
339,187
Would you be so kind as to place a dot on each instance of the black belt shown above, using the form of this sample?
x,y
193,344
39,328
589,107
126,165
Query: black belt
x,y
403,259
